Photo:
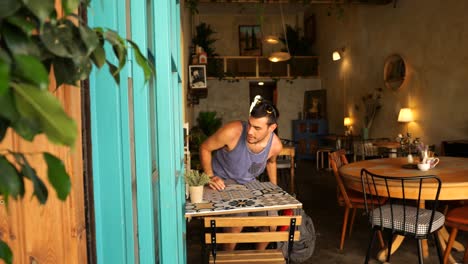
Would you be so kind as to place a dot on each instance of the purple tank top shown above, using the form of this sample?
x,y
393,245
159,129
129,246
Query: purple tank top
x,y
240,164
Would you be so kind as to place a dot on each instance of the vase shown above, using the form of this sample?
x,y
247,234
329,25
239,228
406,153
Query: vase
x,y
410,158
365,133
196,194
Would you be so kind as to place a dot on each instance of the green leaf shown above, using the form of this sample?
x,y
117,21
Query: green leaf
x,y
41,104
27,128
10,182
4,76
27,26
42,9
114,71
7,106
18,42
4,125
89,38
58,176
118,45
31,69
40,190
146,65
70,5
64,40
70,71
8,7
5,253
99,56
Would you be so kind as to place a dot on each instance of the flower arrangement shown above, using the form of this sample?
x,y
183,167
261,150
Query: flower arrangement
x,y
195,178
372,104
408,143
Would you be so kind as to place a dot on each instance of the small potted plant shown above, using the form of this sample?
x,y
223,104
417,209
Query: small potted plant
x,y
196,181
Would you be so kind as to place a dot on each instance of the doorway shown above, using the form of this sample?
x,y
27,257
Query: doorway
x,y
267,90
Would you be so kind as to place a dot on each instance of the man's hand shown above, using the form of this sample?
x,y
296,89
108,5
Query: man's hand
x,y
217,183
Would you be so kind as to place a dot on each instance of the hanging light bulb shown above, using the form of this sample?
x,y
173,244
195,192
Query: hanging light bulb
x,y
336,56
281,55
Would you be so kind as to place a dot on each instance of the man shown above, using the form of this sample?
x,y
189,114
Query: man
x,y
240,151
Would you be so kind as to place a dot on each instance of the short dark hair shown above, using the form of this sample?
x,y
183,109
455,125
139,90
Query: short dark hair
x,y
265,108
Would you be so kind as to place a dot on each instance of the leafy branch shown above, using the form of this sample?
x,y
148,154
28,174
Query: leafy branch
x,y
34,44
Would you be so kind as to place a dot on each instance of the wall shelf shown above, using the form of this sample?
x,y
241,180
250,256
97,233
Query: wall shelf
x,y
255,67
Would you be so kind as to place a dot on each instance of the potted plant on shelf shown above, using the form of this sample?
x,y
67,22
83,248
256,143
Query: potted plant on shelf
x,y
372,105
196,181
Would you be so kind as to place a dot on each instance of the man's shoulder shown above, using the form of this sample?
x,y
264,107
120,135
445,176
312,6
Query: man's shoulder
x,y
233,125
232,129
276,145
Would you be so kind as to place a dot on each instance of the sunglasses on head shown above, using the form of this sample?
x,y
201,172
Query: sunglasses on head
x,y
270,110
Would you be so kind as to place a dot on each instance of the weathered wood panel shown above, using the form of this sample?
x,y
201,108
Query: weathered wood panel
x,y
54,232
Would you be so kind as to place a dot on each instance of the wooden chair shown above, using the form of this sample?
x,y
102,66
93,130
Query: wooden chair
x,y
350,199
286,161
270,256
457,219
401,216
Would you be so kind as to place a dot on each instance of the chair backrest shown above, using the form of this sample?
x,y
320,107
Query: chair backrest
x,y
336,160
406,195
214,237
250,221
286,157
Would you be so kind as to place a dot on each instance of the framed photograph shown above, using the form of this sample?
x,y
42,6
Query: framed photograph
x,y
197,76
315,104
250,41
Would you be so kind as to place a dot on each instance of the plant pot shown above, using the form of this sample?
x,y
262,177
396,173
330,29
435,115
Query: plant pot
x,y
196,194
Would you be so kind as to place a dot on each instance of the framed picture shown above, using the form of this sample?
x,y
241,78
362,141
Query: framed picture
x,y
315,104
250,41
197,78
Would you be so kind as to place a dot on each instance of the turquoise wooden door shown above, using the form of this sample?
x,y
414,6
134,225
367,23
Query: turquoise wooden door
x,y
137,139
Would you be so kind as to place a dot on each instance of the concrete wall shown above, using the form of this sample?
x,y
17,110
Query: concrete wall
x,y
231,101
431,36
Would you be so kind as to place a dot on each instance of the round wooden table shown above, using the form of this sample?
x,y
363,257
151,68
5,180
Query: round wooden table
x,y
452,171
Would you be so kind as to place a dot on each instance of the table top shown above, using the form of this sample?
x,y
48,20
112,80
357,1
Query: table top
x,y
236,198
452,171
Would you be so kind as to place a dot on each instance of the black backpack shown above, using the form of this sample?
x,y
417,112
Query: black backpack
x,y
303,249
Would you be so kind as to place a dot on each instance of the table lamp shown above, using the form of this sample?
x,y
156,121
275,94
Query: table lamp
x,y
405,116
347,124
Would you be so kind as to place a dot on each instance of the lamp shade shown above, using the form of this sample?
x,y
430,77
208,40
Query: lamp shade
x,y
405,115
270,39
279,56
336,56
347,121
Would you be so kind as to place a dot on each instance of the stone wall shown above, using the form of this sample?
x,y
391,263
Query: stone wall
x,y
231,101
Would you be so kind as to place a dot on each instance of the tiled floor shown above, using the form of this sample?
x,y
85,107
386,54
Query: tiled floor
x,y
317,191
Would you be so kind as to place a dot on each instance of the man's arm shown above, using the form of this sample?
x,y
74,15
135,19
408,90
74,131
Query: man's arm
x,y
276,148
226,136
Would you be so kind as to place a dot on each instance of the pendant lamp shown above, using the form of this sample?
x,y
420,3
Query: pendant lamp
x,y
281,55
271,39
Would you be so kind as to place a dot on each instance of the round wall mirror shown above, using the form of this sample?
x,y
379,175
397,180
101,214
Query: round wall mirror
x,y
394,71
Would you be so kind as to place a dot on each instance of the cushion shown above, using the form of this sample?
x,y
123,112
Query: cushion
x,y
409,226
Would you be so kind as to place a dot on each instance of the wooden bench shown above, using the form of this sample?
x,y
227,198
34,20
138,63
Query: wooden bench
x,y
270,256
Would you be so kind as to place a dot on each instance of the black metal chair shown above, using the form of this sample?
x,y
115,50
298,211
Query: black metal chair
x,y
402,215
